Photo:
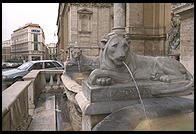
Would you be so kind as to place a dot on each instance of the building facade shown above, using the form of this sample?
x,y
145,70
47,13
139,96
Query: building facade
x,y
81,25
6,50
186,48
28,43
51,51
147,25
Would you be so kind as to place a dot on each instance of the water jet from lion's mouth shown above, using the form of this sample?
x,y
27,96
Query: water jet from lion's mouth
x,y
79,69
137,91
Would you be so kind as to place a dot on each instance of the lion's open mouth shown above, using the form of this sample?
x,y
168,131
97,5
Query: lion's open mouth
x,y
119,61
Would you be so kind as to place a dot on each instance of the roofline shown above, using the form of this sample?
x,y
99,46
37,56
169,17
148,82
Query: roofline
x,y
28,25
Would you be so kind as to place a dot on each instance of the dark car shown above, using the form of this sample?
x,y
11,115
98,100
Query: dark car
x,y
13,75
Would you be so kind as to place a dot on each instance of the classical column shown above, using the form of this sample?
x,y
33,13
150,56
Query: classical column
x,y
119,18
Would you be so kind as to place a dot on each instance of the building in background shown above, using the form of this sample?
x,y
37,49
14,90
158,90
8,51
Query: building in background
x,y
82,25
186,48
28,43
147,25
6,50
51,51
46,55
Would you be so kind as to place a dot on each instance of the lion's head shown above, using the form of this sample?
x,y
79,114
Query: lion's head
x,y
75,54
115,50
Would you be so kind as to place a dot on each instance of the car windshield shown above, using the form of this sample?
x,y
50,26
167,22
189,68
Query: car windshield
x,y
25,66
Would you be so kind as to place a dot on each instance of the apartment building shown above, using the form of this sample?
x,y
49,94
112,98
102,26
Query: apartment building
x,y
6,50
51,51
28,43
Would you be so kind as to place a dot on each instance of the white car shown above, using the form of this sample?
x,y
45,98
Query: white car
x,y
13,75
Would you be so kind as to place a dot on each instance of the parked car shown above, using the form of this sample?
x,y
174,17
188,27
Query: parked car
x,y
10,65
3,65
13,75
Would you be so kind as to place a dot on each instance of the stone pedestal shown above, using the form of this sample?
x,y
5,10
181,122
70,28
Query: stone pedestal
x,y
97,102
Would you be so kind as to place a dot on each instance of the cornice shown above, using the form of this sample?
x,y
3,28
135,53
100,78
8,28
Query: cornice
x,y
102,5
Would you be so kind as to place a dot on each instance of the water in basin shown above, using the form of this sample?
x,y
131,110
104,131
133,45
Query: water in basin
x,y
78,77
178,122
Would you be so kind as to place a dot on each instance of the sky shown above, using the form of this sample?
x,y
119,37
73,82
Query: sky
x,y
15,15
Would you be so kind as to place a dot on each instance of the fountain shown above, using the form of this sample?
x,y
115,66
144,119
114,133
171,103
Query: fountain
x,y
77,69
137,90
107,98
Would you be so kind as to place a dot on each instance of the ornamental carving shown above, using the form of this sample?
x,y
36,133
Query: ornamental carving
x,y
103,5
84,20
173,35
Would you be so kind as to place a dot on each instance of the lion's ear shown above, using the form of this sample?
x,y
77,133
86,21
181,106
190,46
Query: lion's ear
x,y
104,40
128,40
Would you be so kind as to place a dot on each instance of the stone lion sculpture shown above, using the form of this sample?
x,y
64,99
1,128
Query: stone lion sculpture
x,y
76,55
87,63
115,50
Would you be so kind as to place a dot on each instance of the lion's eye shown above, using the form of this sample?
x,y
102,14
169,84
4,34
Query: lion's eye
x,y
125,46
114,45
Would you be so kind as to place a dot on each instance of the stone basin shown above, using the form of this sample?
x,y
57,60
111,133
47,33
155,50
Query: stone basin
x,y
93,105
72,86
132,117
78,77
178,122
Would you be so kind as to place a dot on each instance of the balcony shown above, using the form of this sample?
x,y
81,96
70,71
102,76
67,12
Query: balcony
x,y
35,104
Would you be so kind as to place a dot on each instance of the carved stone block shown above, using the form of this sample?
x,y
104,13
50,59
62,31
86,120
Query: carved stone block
x,y
113,93
127,91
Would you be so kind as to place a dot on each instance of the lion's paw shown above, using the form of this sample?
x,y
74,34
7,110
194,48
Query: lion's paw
x,y
165,78
105,81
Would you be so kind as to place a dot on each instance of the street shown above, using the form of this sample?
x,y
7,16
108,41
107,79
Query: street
x,y
3,84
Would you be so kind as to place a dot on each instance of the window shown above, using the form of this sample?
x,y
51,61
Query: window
x,y
35,46
49,65
25,66
35,42
35,38
84,20
84,23
35,58
36,66
56,64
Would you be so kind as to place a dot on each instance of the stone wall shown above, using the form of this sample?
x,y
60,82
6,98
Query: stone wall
x,y
146,25
15,115
82,25
187,40
88,23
